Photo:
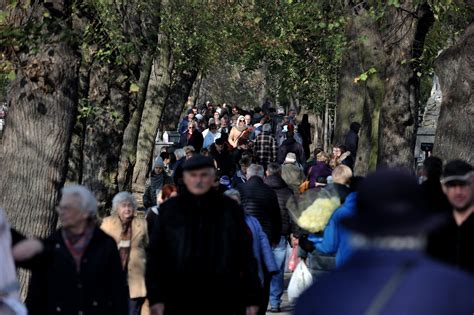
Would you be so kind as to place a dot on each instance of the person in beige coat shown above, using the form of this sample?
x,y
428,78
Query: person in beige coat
x,y
131,235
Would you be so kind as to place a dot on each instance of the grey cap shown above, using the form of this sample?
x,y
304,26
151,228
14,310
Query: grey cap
x,y
159,162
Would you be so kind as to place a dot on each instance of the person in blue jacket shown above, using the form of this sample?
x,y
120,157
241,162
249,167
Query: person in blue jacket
x,y
389,273
335,239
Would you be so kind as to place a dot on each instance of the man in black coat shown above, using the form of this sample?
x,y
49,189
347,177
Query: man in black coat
x,y
352,139
453,243
192,137
220,153
260,201
283,192
200,258
291,145
80,271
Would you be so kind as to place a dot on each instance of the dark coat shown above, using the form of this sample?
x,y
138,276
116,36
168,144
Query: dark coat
x,y
260,201
196,140
99,287
352,142
225,163
283,193
290,145
427,288
338,189
454,244
178,173
319,169
200,256
435,198
155,182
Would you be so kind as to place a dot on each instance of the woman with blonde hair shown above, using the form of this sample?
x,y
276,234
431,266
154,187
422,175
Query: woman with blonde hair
x,y
131,235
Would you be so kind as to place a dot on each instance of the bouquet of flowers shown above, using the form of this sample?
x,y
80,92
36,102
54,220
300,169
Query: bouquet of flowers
x,y
313,209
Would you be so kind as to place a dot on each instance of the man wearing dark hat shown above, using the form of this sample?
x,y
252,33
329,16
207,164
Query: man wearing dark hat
x,y
388,273
200,257
453,243
220,153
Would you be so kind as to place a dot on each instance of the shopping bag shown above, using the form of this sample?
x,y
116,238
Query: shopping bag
x,y
294,260
300,281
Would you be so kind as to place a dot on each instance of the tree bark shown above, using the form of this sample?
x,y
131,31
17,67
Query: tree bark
x,y
108,95
455,68
129,148
403,41
43,102
350,99
158,89
177,98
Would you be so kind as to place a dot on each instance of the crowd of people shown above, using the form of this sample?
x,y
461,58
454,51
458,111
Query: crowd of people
x,y
217,226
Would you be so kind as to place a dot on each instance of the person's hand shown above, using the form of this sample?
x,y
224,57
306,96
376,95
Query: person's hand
x,y
251,310
27,249
157,309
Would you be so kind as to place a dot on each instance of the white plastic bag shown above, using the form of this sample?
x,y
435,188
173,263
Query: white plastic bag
x,y
300,281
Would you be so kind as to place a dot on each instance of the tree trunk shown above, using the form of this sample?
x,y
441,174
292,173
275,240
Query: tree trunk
x,y
129,148
158,89
43,102
350,99
403,40
177,98
455,68
108,95
370,56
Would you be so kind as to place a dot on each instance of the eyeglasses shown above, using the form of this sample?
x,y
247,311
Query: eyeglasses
x,y
241,120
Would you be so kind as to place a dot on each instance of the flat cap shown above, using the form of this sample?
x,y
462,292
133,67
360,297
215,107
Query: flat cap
x,y
198,162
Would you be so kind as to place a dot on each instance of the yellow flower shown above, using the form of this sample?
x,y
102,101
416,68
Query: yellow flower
x,y
315,218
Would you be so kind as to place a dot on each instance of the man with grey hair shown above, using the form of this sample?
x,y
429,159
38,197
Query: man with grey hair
x,y
265,148
260,201
80,271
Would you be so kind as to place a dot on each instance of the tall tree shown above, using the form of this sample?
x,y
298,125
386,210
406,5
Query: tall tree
x,y
404,30
455,68
43,102
157,92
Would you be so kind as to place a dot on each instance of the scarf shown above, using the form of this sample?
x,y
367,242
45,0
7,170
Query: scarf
x,y
77,244
124,245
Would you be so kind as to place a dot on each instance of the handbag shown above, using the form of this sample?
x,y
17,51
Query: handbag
x,y
304,186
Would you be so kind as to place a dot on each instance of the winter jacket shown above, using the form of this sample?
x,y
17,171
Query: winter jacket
x,y
155,182
200,252
260,201
261,248
136,262
283,193
319,169
291,145
339,190
183,125
352,142
196,140
99,287
427,287
225,164
335,239
178,173
293,176
434,197
209,140
239,178
452,243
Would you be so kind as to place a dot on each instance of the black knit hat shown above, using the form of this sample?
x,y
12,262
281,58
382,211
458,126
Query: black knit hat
x,y
390,202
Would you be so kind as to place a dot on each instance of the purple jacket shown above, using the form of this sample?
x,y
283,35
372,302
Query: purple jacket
x,y
320,169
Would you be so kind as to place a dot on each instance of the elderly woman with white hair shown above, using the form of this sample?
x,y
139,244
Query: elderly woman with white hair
x,y
131,235
79,271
